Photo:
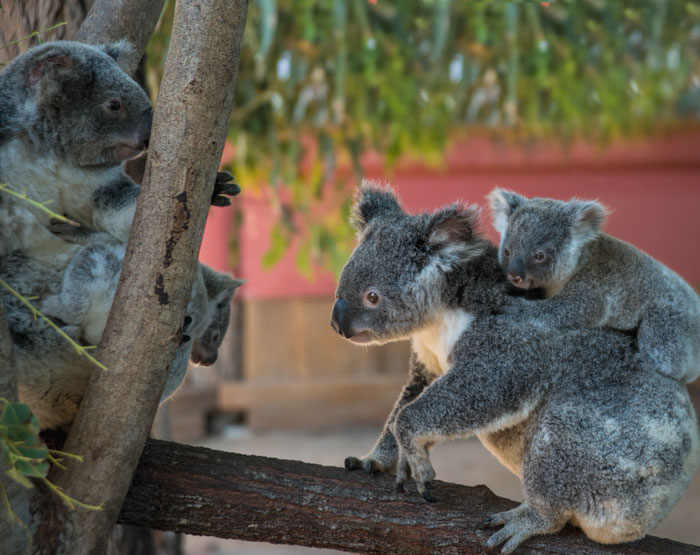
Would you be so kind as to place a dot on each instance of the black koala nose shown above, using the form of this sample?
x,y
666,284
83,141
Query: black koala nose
x,y
338,315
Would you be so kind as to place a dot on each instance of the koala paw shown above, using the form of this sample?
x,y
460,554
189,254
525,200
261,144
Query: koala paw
x,y
420,468
66,230
518,525
224,188
369,464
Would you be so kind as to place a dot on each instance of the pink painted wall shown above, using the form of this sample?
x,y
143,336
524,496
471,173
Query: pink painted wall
x,y
651,186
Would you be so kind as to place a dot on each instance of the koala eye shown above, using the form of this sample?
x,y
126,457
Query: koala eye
x,y
506,251
113,105
540,256
371,298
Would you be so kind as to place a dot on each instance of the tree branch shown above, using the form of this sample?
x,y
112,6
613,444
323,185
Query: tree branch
x,y
111,20
145,324
200,491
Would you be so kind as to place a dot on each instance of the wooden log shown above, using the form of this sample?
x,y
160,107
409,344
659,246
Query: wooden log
x,y
205,492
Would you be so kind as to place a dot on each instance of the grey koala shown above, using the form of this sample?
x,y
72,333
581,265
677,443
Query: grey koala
x,y
69,117
220,288
78,296
591,279
597,439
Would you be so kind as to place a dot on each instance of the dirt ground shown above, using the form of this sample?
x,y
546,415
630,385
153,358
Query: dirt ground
x,y
462,462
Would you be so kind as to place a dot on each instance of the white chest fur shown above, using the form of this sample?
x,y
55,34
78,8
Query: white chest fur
x,y
434,343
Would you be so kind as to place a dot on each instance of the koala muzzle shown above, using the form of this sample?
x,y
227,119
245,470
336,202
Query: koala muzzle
x,y
516,273
339,318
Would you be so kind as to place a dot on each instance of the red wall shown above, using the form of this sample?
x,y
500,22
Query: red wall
x,y
652,188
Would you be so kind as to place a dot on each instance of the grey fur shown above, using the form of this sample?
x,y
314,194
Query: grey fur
x,y
597,438
77,293
69,116
591,279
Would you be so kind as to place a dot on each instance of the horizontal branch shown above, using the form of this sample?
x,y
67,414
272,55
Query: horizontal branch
x,y
205,492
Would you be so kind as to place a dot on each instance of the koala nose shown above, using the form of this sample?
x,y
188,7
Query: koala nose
x,y
338,316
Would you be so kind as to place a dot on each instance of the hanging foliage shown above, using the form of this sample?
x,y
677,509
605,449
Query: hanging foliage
x,y
322,81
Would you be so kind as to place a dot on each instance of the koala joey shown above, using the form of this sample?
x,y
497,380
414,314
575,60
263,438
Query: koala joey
x,y
591,279
597,439
69,117
78,296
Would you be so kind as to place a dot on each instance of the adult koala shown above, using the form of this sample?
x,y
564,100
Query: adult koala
x,y
597,439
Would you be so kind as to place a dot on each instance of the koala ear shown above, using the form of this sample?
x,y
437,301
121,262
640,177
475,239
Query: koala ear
x,y
451,233
503,203
588,217
46,71
372,200
124,54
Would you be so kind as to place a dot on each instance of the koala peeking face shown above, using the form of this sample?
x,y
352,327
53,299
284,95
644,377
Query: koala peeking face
x,y
392,283
81,94
541,239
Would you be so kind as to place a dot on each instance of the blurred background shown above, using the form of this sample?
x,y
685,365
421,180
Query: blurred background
x,y
445,100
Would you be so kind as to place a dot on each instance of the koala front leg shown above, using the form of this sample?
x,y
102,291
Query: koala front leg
x,y
383,456
568,309
456,405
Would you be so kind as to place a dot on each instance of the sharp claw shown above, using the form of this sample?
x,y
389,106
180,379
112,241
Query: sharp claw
x,y
486,523
221,201
371,467
184,339
398,487
428,496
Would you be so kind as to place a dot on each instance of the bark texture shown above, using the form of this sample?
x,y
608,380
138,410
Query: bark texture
x,y
111,20
145,323
200,491
21,18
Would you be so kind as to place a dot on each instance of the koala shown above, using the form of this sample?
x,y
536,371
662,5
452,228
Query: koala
x,y
220,289
69,117
597,439
591,279
52,376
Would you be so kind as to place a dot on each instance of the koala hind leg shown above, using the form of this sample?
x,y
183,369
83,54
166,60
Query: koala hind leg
x,y
669,342
521,523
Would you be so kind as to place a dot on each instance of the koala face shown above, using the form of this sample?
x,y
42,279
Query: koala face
x,y
541,239
393,281
219,291
80,105
205,348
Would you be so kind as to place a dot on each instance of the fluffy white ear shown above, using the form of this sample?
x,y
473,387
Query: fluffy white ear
x,y
372,200
123,52
503,203
588,216
451,233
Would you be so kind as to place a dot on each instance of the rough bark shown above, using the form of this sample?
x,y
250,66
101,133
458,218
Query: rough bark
x,y
111,20
200,491
21,18
145,323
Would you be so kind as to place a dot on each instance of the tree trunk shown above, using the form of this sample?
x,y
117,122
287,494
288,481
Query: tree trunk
x,y
145,323
200,491
21,18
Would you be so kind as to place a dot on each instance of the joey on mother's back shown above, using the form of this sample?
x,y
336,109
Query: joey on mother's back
x,y
598,439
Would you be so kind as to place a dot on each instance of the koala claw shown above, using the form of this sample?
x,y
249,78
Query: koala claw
x,y
224,187
486,523
423,489
399,487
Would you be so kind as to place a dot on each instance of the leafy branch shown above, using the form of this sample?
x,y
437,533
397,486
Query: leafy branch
x,y
33,34
80,349
40,205
22,449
